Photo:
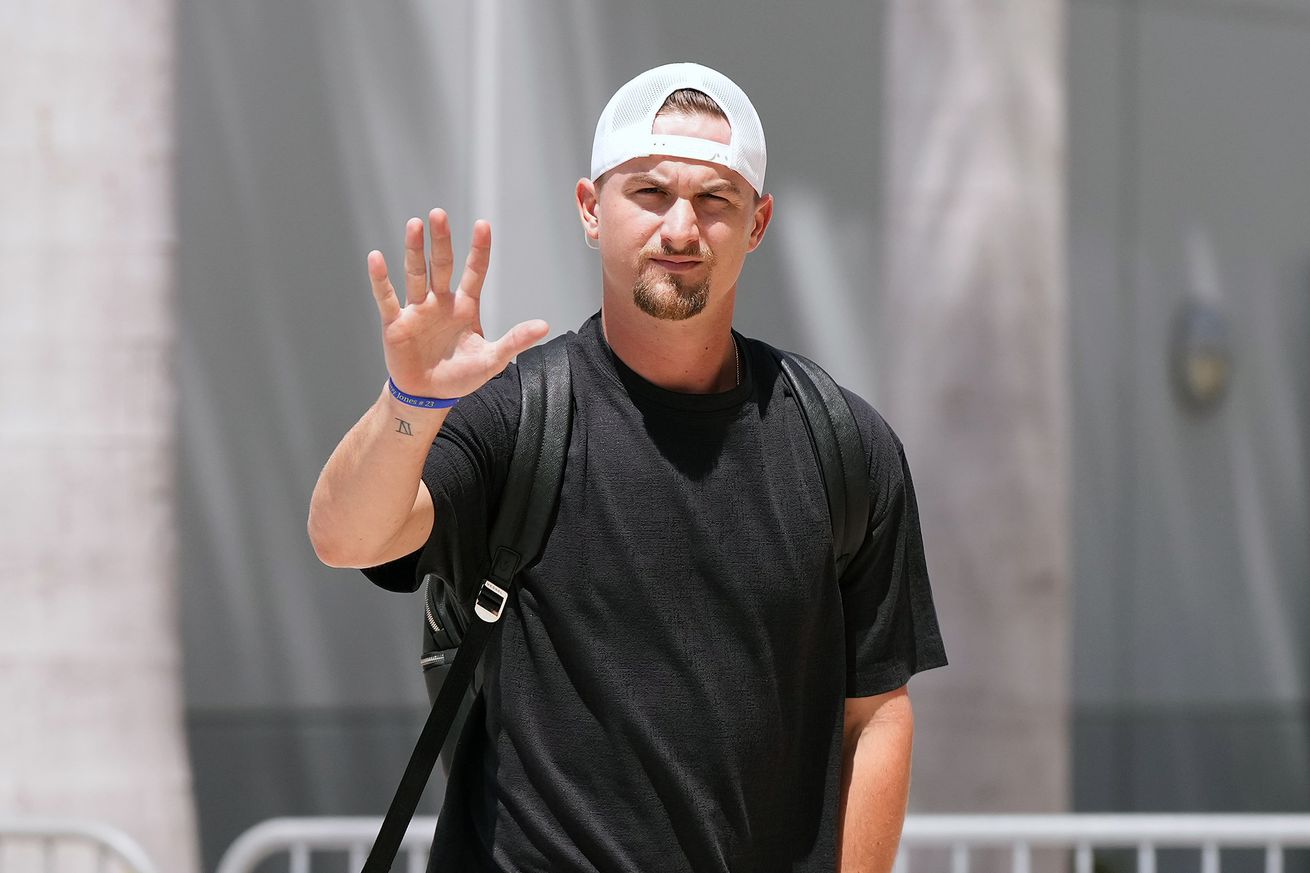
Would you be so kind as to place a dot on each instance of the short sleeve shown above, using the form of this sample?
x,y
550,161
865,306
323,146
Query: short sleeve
x,y
465,473
891,623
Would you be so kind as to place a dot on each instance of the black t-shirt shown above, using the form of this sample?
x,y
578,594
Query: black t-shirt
x,y
665,692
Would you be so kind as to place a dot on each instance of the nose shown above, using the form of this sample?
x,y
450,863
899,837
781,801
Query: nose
x,y
680,230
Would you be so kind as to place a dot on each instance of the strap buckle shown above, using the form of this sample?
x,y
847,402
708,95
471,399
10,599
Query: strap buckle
x,y
491,601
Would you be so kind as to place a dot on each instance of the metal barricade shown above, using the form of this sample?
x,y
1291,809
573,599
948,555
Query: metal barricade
x,y
300,836
1082,833
959,835
112,849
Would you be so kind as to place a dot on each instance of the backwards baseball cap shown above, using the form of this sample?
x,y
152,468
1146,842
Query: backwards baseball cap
x,y
624,129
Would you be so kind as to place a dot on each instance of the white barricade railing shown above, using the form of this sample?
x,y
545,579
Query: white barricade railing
x,y
300,836
1082,833
958,834
112,849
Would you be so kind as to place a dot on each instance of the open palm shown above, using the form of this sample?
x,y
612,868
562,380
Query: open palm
x,y
433,345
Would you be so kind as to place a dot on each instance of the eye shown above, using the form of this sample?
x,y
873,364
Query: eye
x,y
649,191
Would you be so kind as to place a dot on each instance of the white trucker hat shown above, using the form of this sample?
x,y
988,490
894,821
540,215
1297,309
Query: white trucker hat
x,y
624,129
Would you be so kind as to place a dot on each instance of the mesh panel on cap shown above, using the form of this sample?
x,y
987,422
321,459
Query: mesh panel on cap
x,y
634,109
624,129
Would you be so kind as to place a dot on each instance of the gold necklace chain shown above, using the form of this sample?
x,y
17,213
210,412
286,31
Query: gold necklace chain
x,y
736,362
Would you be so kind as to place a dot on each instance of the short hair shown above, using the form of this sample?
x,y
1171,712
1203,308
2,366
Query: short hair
x,y
689,101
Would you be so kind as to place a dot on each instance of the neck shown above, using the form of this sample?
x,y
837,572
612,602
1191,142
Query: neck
x,y
695,356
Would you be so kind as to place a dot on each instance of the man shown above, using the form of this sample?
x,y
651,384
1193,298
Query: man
x,y
682,682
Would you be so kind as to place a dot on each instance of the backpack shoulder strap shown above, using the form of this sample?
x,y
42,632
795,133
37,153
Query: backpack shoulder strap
x,y
528,503
837,448
536,469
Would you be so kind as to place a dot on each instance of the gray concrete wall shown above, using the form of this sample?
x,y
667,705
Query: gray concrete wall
x,y
1187,179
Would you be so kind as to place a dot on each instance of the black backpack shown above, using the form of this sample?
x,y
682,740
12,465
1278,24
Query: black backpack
x,y
527,511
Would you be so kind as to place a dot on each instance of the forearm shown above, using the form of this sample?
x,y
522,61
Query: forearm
x,y
875,788
368,505
365,494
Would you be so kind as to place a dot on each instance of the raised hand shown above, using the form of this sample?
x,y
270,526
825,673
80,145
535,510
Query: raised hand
x,y
434,346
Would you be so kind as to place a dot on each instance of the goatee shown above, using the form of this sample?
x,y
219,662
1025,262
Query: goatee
x,y
663,295
670,298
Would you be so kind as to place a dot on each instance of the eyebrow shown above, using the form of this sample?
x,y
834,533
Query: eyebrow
x,y
720,185
647,179
644,179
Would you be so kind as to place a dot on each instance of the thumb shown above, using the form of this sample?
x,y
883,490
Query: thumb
x,y
519,338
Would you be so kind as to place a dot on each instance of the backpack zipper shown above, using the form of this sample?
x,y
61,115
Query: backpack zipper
x,y
433,659
427,608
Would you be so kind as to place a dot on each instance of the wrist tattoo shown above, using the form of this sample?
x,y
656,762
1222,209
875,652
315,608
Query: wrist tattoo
x,y
402,426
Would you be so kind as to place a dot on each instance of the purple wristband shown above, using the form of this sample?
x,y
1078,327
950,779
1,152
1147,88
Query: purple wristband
x,y
421,402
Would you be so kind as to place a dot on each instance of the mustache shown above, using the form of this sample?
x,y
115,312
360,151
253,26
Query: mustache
x,y
696,250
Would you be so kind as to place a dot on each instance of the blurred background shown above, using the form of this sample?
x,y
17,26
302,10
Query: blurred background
x,y
1064,247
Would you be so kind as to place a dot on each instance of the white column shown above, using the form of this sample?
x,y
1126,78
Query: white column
x,y
90,669
975,382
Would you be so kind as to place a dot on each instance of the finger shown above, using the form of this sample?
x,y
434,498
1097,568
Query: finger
x,y
383,294
519,338
442,260
416,269
475,268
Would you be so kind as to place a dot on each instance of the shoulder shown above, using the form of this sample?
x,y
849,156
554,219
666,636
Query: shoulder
x,y
494,407
883,451
889,472
499,395
485,423
497,405
880,440
476,439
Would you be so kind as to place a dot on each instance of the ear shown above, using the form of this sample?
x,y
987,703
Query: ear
x,y
588,208
763,215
